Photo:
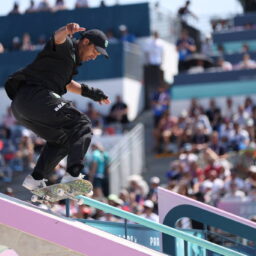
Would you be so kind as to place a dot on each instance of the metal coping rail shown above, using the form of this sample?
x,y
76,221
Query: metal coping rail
x,y
159,227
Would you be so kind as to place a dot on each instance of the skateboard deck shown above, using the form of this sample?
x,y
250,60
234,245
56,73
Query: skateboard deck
x,y
57,192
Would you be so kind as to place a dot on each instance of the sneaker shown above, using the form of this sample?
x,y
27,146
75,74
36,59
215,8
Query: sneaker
x,y
68,178
30,183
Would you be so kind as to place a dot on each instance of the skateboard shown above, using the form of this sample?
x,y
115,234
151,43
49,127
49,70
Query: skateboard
x,y
57,192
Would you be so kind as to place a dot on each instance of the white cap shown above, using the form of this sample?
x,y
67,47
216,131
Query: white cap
x,y
149,204
155,180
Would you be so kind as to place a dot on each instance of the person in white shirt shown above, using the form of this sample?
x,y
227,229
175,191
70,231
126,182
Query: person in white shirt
x,y
239,138
234,193
229,109
148,211
246,63
154,50
224,65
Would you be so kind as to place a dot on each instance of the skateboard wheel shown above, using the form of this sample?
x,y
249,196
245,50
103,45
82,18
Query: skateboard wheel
x,y
34,198
60,192
80,202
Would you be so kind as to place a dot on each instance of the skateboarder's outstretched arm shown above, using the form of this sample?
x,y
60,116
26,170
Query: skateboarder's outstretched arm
x,y
84,90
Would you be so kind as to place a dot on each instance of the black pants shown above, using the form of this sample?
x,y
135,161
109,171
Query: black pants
x,y
66,130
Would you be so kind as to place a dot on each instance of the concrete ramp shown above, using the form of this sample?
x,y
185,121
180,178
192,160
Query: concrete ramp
x,y
30,231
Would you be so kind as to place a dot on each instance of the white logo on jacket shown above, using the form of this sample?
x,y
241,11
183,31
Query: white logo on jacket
x,y
59,106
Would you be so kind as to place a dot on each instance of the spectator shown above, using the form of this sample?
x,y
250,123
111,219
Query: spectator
x,y
216,145
226,131
32,8
200,137
26,150
154,50
246,63
26,43
81,4
254,118
94,115
215,184
154,184
248,105
125,35
163,132
250,182
111,38
125,197
102,3
9,191
148,211
223,65
97,169
15,9
228,110
234,193
233,178
194,107
220,50
199,117
16,44
184,12
249,127
59,5
239,138
44,6
241,116
1,48
245,49
118,112
197,67
213,111
185,46
41,41
137,187
160,104
207,46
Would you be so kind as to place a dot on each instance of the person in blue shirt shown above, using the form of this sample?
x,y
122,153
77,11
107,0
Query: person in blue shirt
x,y
125,35
185,46
97,171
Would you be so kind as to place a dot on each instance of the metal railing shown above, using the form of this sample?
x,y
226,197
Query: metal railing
x,y
127,158
159,227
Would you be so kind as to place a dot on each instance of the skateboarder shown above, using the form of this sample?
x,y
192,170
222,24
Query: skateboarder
x,y
37,104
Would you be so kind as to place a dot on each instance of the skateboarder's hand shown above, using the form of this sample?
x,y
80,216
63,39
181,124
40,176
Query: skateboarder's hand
x,y
73,28
105,101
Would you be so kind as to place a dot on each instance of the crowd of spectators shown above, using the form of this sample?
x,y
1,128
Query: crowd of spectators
x,y
25,43
191,60
233,127
44,6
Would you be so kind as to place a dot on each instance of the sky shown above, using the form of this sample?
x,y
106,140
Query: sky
x,y
204,9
